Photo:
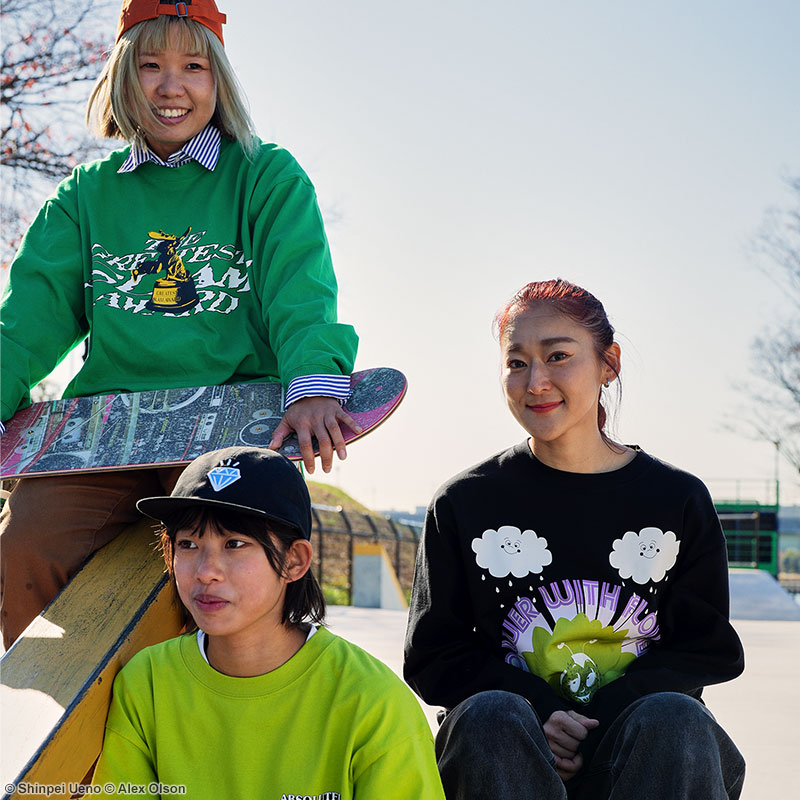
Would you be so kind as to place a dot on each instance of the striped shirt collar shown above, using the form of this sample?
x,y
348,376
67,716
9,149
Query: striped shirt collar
x,y
202,148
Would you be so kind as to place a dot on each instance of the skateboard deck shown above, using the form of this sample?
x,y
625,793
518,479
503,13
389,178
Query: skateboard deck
x,y
171,426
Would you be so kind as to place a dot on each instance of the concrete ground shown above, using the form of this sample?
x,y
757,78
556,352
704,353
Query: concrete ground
x,y
759,710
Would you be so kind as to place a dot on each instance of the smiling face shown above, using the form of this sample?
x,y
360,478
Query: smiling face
x,y
580,680
649,549
181,91
552,375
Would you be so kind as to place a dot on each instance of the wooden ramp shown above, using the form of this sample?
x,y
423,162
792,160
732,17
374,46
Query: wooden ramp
x,y
55,681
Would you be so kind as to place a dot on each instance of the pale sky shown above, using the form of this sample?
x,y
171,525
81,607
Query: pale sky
x,y
462,149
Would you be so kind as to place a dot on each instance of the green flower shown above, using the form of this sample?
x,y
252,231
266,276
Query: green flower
x,y
578,657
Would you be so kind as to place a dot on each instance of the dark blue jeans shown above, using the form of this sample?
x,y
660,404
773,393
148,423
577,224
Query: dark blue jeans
x,y
665,746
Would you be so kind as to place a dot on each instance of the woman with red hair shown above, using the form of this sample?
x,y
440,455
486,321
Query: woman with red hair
x,y
570,599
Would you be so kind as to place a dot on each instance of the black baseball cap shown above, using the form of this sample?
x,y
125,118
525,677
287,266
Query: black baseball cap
x,y
249,480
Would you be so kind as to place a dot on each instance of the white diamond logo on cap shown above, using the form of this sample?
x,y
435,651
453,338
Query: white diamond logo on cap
x,y
222,476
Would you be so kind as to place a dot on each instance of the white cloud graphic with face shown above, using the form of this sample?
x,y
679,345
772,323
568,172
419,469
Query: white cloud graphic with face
x,y
510,551
645,556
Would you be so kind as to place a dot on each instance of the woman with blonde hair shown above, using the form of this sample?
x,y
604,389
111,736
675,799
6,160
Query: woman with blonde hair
x,y
195,255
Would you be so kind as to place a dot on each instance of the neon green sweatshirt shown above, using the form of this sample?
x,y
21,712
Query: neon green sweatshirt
x,y
180,277
332,722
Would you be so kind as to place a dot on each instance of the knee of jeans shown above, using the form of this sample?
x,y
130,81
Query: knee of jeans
x,y
686,734
487,721
492,708
497,704
670,713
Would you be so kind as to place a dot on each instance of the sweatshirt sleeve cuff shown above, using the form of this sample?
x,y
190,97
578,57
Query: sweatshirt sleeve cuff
x,y
337,386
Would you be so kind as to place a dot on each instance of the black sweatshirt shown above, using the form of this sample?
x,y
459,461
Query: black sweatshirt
x,y
576,591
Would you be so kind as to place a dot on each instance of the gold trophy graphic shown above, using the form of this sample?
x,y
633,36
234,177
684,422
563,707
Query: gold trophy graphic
x,y
175,292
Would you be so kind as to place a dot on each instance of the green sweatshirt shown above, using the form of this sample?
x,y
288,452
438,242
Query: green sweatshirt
x,y
180,277
332,722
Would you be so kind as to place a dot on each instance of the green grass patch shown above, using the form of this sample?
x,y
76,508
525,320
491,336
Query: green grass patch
x,y
335,594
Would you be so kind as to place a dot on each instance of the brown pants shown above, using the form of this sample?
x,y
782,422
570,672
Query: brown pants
x,y
51,525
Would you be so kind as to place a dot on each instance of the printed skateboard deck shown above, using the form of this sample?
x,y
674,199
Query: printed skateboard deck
x,y
171,426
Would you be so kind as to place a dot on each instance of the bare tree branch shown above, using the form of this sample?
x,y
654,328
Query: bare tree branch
x,y
774,391
776,248
52,50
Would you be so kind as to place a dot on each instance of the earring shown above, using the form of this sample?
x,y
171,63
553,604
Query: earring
x,y
606,384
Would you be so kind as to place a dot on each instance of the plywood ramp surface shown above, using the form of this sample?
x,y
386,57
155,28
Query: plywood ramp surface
x,y
55,681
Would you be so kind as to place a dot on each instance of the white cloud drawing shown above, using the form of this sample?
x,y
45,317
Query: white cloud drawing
x,y
645,556
509,551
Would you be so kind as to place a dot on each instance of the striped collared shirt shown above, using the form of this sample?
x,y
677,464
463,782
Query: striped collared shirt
x,y
204,148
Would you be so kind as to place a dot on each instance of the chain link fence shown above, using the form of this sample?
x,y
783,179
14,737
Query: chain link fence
x,y
334,535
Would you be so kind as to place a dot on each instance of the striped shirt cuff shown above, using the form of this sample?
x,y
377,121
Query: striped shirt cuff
x,y
337,386
2,429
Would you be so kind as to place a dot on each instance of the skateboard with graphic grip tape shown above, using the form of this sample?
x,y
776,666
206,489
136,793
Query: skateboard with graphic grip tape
x,y
171,426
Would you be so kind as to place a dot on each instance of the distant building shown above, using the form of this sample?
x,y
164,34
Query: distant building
x,y
418,515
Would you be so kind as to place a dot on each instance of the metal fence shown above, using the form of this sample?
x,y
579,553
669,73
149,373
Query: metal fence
x,y
334,535
750,545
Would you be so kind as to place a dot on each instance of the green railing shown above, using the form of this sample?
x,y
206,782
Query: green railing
x,y
752,536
